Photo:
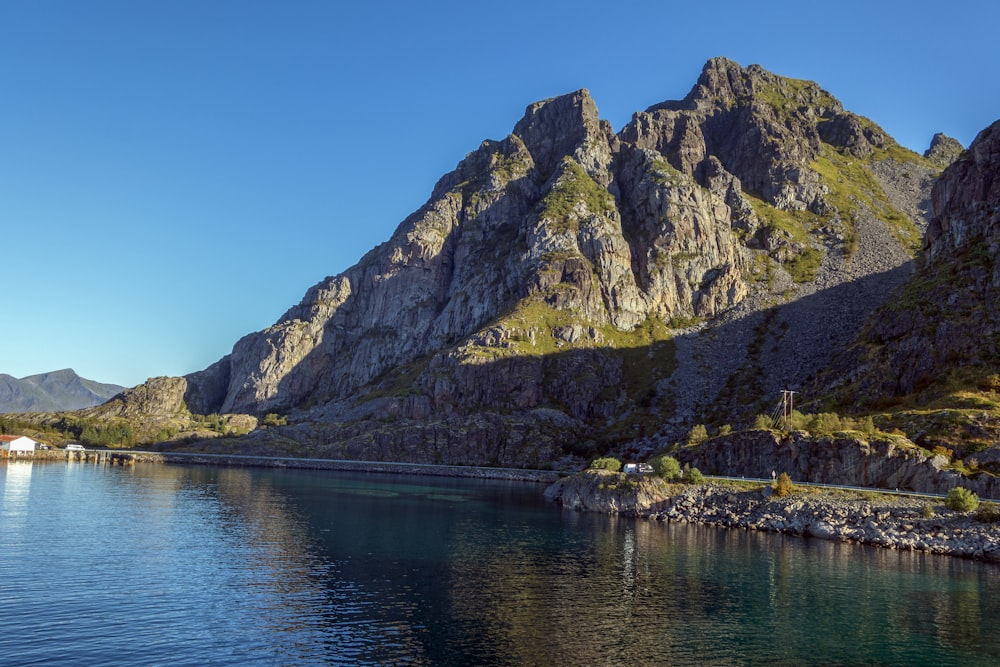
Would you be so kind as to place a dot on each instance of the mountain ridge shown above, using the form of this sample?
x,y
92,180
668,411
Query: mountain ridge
x,y
568,236
569,290
52,391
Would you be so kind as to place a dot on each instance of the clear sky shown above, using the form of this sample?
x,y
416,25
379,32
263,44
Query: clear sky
x,y
176,174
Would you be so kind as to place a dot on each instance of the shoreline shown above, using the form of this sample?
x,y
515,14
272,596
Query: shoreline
x,y
131,457
868,518
873,519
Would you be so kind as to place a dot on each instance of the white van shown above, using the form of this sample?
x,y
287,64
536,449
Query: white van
x,y
75,447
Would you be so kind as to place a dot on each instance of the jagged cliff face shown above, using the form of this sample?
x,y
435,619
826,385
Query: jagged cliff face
x,y
552,272
945,322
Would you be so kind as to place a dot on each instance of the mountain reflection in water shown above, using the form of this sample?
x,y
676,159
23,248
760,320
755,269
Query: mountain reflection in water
x,y
124,566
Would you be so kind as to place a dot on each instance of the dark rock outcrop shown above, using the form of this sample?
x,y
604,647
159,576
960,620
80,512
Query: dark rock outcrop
x,y
879,461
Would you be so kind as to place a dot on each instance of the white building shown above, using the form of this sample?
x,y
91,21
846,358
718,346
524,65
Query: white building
x,y
16,444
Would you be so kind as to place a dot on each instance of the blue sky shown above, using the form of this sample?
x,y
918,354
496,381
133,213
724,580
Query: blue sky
x,y
175,175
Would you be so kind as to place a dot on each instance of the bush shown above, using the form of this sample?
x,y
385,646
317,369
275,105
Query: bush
x,y
990,383
667,467
961,500
274,419
693,476
698,435
783,485
927,511
606,463
763,423
987,513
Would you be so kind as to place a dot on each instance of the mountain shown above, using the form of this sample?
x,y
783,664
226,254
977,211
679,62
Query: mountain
x,y
570,289
55,391
931,356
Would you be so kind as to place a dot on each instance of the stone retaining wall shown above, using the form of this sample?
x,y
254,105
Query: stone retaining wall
x,y
124,457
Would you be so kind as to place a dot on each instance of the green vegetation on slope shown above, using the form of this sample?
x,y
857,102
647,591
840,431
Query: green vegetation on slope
x,y
852,184
574,187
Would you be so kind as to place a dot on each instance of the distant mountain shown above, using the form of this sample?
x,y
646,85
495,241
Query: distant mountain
x,y
52,392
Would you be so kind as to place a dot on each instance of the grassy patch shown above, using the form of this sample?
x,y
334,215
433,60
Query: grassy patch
x,y
665,173
574,188
804,266
797,224
786,95
852,184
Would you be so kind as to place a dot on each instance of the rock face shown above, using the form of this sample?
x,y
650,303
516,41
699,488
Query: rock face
x,y
58,390
609,492
883,462
945,320
943,150
966,201
157,397
588,288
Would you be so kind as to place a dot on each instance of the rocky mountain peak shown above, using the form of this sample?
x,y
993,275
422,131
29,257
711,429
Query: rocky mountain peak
x,y
966,200
568,284
943,150
568,125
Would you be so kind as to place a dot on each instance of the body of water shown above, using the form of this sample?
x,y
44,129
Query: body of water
x,y
172,565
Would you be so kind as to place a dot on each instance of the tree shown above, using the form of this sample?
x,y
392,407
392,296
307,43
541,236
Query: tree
x,y
274,419
783,485
693,476
698,435
667,467
961,500
606,463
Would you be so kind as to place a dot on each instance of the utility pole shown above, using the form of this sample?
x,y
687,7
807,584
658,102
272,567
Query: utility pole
x,y
787,406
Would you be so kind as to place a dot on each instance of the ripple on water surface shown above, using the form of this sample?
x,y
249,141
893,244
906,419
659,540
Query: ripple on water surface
x,y
193,566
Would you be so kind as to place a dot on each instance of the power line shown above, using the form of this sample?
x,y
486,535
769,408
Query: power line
x,y
787,407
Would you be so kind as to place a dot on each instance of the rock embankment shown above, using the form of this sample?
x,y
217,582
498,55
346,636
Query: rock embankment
x,y
892,522
132,457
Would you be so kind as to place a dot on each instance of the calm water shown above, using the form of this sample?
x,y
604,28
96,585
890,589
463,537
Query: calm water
x,y
193,566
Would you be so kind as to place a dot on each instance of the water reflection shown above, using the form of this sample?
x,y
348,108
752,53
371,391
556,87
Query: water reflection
x,y
236,566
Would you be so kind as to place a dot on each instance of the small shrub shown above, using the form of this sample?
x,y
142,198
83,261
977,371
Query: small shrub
x,y
763,423
725,429
927,512
940,450
961,500
990,383
693,476
783,485
274,419
667,467
606,463
987,513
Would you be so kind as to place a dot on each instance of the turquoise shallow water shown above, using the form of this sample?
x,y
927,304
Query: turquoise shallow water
x,y
178,565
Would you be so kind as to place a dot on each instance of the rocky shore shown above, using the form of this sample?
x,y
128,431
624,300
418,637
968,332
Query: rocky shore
x,y
889,521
